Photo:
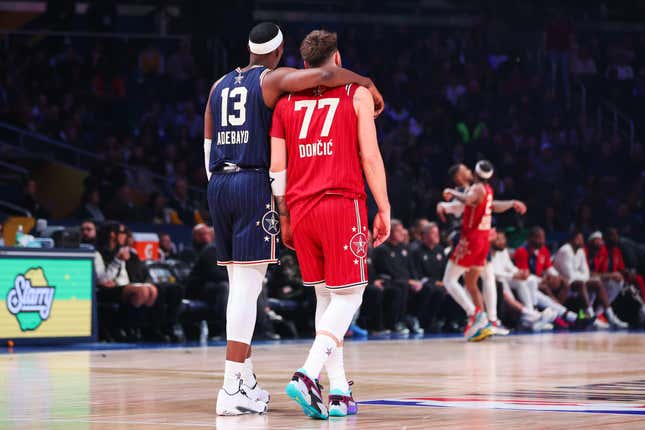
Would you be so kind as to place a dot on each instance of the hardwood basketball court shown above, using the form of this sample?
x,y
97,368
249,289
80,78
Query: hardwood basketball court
x,y
548,381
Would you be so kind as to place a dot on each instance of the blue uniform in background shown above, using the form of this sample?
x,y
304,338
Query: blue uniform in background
x,y
239,192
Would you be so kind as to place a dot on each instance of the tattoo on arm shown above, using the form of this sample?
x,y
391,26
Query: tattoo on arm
x,y
282,205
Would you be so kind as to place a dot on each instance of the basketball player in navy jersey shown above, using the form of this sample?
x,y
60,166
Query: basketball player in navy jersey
x,y
236,146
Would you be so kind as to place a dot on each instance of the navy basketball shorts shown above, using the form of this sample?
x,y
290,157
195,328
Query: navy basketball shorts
x,y
246,224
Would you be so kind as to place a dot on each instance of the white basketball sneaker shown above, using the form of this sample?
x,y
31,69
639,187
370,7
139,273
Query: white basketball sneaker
x,y
238,403
256,393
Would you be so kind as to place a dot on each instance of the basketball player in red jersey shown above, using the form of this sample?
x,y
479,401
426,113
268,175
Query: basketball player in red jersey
x,y
322,142
470,254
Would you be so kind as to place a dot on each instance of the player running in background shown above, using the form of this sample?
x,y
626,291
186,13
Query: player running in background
x,y
236,149
470,255
322,142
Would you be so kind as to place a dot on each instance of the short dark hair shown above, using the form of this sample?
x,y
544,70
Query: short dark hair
x,y
263,32
452,171
535,230
318,46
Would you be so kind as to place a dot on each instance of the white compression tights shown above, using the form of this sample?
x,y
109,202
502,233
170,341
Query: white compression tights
x,y
245,285
331,325
456,290
490,291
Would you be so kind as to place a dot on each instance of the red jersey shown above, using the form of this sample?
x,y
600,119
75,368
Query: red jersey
x,y
478,218
321,133
536,261
604,261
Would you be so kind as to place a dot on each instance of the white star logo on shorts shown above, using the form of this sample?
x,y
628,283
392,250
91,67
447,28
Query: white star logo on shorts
x,y
354,229
268,206
272,222
345,247
266,238
355,261
257,223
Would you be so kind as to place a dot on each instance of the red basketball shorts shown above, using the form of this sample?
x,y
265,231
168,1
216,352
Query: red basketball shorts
x,y
472,249
331,243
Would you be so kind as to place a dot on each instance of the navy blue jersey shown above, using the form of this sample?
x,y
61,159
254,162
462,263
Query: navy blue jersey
x,y
241,120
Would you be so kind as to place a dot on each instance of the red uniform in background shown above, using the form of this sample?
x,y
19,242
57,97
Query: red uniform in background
x,y
474,242
536,261
325,188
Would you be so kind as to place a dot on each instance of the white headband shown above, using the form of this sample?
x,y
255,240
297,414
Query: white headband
x,y
482,174
268,46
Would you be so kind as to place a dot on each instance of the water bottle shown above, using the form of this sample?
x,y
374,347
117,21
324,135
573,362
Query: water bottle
x,y
203,333
19,235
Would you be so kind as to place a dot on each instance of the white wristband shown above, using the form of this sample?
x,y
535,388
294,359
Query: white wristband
x,y
207,157
278,182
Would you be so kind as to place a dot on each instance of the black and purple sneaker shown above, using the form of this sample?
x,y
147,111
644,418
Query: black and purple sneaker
x,y
307,393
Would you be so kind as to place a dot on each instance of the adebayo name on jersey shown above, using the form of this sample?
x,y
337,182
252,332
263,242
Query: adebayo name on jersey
x,y
234,137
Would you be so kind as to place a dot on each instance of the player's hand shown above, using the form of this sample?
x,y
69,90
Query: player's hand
x,y
447,194
415,285
286,233
441,212
379,103
379,283
519,207
123,254
381,227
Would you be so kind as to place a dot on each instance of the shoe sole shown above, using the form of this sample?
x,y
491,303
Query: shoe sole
x,y
294,393
336,413
481,334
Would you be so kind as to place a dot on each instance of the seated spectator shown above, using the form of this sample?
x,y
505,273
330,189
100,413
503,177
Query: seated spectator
x,y
430,261
158,212
1,234
571,262
91,205
617,262
393,264
416,233
207,281
583,64
30,201
88,233
164,315
123,205
535,257
167,248
186,209
527,287
113,282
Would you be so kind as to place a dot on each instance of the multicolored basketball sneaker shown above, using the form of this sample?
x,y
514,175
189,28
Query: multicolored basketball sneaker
x,y
342,403
308,394
478,327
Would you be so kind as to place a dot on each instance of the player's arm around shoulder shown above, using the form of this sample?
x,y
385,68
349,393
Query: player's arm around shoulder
x,y
372,162
283,80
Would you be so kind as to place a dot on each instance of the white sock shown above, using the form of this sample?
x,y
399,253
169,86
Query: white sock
x,y
247,374
456,291
233,373
590,311
335,367
322,348
570,316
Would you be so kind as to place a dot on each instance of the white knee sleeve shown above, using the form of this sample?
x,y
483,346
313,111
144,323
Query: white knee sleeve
x,y
490,292
458,293
340,312
245,285
323,297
